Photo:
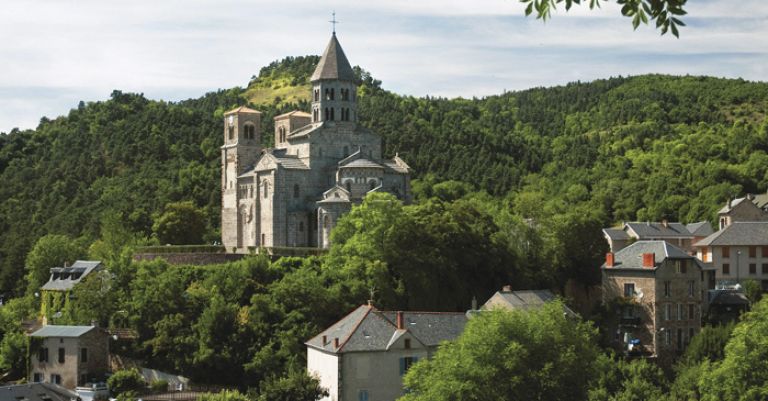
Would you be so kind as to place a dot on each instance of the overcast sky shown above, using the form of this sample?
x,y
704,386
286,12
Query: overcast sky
x,y
54,53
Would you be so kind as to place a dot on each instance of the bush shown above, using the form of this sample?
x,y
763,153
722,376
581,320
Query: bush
x,y
159,386
124,381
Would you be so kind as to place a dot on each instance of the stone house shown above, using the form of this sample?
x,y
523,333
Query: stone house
x,y
748,208
68,355
653,291
58,287
364,355
737,252
678,234
323,162
521,300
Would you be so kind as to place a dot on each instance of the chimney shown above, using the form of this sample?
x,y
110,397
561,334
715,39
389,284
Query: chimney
x,y
665,223
336,342
400,322
94,323
506,288
609,259
474,303
325,340
649,260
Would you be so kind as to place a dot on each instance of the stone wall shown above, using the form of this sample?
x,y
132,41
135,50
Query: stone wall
x,y
189,258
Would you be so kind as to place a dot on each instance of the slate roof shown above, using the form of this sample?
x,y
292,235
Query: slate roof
x,y
362,163
37,392
62,331
700,229
369,329
731,204
653,230
333,64
729,297
761,201
243,109
297,113
739,233
525,299
616,234
64,278
335,190
291,163
631,257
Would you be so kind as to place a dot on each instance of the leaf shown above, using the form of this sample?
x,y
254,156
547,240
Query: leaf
x,y
529,9
674,30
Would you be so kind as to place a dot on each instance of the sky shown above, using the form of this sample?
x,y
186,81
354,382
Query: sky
x,y
55,53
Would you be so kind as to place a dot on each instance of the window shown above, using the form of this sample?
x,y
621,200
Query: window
x,y
752,251
42,355
348,184
691,288
726,252
679,338
55,379
327,114
263,239
726,268
344,94
333,117
332,94
61,355
629,289
691,311
250,131
266,189
667,337
691,333
231,133
680,312
295,190
406,363
37,377
407,343
680,266
83,355
764,251
362,395
753,268
317,95
667,289
668,312
765,268
705,254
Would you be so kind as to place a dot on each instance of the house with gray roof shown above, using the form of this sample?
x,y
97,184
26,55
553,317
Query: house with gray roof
x,y
521,300
68,356
364,355
654,293
37,392
678,234
737,252
63,280
749,208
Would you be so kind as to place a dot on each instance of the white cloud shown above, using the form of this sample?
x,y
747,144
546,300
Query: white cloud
x,y
67,50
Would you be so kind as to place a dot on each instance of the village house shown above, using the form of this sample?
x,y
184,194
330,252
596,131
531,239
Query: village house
x,y
364,355
653,291
522,300
738,252
749,208
68,356
678,234
59,286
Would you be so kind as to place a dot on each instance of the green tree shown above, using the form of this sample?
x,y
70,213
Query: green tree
x,y
128,380
503,355
622,380
753,291
743,373
294,386
182,223
49,251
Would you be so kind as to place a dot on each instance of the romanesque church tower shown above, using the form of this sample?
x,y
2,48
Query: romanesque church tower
x,y
323,162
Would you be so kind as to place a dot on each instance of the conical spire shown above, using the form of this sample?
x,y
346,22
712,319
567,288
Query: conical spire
x,y
333,64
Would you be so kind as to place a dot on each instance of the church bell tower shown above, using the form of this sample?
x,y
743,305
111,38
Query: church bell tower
x,y
334,91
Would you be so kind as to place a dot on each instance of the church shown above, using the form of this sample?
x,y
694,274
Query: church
x,y
323,162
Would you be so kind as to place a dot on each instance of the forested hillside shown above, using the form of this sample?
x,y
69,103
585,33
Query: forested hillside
x,y
642,147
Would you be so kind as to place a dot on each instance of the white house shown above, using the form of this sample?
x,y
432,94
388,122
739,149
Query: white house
x,y
364,356
737,252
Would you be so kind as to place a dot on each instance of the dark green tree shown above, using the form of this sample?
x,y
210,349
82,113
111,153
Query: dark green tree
x,y
182,223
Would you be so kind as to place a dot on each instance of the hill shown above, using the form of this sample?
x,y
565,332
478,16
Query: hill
x,y
641,147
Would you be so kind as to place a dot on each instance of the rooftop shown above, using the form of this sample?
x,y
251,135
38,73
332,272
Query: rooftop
x,y
654,230
243,109
64,278
37,392
334,64
62,331
369,329
631,257
739,233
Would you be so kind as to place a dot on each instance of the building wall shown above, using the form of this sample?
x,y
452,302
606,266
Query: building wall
x,y
325,366
71,370
738,261
680,301
640,322
744,211
378,373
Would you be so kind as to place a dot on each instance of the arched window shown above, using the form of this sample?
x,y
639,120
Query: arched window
x,y
317,95
281,134
295,190
349,186
327,114
265,184
231,133
332,95
332,113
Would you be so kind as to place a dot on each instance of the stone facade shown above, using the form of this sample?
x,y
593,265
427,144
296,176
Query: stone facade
x,y
69,356
323,162
655,291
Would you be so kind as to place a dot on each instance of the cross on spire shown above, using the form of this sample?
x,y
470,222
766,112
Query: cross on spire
x,y
334,22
